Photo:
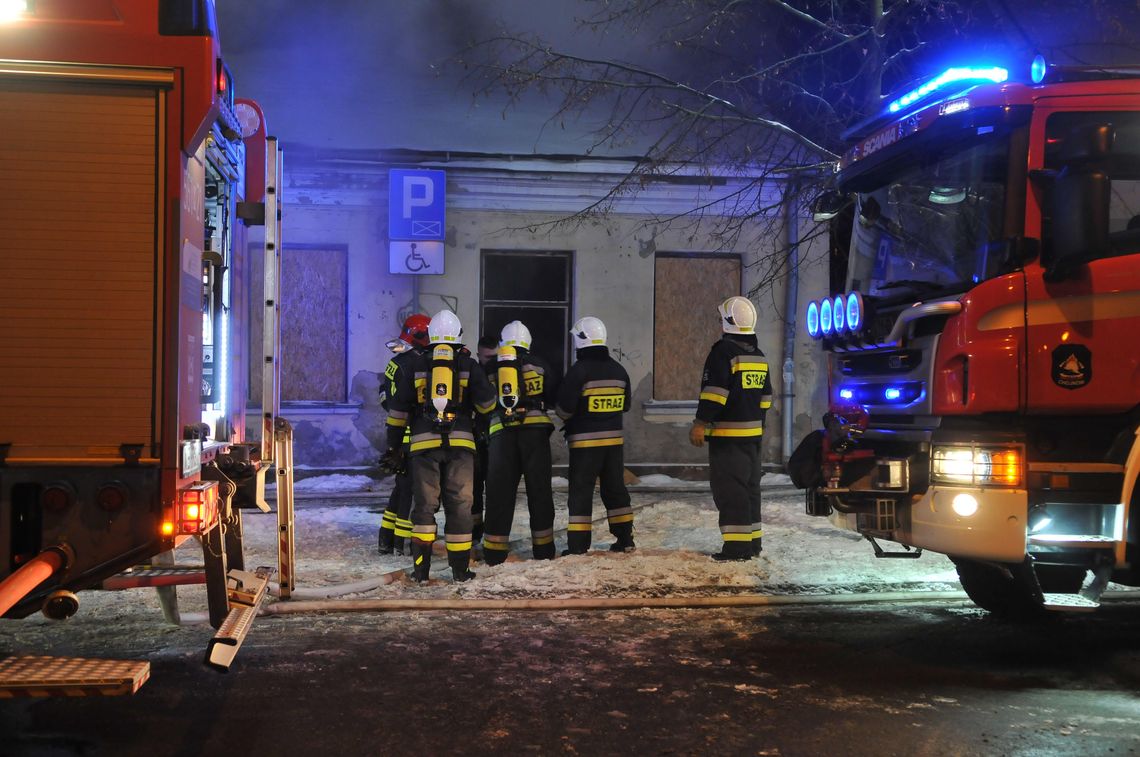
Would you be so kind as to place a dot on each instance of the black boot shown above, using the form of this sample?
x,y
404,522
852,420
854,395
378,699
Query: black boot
x,y
384,543
543,551
734,551
494,556
756,547
421,560
577,543
399,544
623,532
459,562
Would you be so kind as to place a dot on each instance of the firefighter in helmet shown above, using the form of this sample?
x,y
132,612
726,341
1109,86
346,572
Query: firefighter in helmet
x,y
396,524
519,446
438,398
736,393
591,401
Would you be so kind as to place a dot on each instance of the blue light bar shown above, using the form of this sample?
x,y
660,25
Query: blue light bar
x,y
837,314
813,319
949,76
876,394
825,322
1038,69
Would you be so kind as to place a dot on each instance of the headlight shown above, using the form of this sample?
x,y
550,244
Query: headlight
x,y
976,466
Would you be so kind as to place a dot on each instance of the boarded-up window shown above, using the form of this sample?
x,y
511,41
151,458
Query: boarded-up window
x,y
687,290
314,337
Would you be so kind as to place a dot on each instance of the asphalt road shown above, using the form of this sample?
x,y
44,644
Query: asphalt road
x,y
929,678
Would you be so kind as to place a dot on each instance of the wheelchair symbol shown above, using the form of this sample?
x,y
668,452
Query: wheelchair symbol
x,y
415,261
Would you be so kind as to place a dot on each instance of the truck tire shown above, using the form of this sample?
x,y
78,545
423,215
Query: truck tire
x,y
996,590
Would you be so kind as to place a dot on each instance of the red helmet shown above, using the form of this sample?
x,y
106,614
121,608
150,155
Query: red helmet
x,y
416,330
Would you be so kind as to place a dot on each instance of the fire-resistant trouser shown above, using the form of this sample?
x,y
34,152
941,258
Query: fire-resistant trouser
x,y
607,466
734,474
512,454
396,520
441,475
480,486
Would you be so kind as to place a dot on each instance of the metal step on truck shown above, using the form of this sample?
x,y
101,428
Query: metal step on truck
x,y
138,197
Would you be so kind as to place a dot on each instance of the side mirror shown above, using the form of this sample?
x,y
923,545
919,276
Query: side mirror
x,y
828,205
1080,221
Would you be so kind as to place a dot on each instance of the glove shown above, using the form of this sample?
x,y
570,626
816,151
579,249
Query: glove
x,y
697,433
394,461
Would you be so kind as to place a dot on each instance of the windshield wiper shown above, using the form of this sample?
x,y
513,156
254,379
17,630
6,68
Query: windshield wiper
x,y
916,284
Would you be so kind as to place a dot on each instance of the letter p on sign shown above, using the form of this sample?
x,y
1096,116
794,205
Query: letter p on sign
x,y
418,193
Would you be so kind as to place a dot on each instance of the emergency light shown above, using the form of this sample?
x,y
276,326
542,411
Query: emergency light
x,y
837,314
949,76
813,319
825,322
1038,69
854,312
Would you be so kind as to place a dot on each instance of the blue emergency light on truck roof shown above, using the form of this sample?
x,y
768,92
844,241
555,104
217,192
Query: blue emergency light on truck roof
x,y
993,74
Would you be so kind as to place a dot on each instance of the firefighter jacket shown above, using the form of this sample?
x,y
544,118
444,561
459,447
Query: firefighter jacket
x,y
410,406
539,384
735,389
400,361
592,398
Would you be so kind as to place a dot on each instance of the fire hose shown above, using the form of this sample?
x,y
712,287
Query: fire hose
x,y
37,570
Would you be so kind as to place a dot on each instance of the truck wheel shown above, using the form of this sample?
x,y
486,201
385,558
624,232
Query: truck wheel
x,y
996,590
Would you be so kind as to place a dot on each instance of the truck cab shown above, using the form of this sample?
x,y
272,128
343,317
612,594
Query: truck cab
x,y
984,382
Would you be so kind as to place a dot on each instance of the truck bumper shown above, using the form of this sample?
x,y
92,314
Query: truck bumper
x,y
996,531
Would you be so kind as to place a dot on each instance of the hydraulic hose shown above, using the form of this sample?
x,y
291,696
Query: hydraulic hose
x,y
37,570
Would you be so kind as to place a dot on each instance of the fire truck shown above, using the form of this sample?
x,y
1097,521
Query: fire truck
x,y
982,332
138,200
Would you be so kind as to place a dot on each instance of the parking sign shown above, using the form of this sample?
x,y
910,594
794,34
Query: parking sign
x,y
416,204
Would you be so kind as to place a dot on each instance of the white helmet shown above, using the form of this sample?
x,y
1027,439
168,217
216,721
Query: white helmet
x,y
445,328
737,316
515,334
588,332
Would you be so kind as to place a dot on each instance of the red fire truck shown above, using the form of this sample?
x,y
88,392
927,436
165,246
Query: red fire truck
x,y
982,333
133,189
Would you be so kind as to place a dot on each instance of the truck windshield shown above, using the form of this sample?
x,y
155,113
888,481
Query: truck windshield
x,y
933,226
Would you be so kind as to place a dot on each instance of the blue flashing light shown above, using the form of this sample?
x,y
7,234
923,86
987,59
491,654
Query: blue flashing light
x,y
1038,69
846,394
837,314
813,319
892,393
876,394
949,76
825,322
854,312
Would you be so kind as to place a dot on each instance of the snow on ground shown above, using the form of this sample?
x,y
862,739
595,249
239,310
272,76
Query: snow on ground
x,y
675,531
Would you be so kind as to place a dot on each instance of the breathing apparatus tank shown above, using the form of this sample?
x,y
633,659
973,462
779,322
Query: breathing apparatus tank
x,y
508,380
442,393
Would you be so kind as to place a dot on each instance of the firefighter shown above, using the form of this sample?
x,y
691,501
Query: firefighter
x,y
591,401
519,446
438,399
487,352
396,524
735,396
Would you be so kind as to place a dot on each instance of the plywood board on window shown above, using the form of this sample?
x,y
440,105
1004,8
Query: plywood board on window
x,y
687,291
313,339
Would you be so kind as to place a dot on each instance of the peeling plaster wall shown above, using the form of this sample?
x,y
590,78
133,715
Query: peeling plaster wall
x,y
613,280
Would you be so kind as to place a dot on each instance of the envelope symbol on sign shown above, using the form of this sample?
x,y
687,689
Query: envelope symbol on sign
x,y
426,228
